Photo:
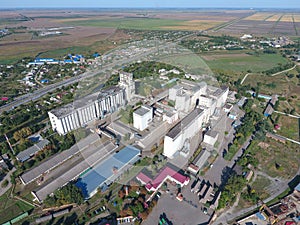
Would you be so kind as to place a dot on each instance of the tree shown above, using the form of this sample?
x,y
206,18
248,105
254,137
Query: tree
x,y
4,183
66,195
137,208
23,133
234,185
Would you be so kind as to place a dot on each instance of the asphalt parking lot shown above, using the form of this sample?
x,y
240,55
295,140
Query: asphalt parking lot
x,y
186,212
176,212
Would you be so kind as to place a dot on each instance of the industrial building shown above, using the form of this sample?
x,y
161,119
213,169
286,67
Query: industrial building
x,y
95,106
127,82
31,151
60,175
211,137
203,100
57,160
167,173
186,93
142,117
184,130
107,171
170,117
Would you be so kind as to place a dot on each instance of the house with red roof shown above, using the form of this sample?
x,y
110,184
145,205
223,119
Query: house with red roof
x,y
167,173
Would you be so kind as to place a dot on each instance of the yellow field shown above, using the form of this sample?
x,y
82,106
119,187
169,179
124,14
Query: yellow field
x,y
297,18
194,25
274,18
259,16
287,18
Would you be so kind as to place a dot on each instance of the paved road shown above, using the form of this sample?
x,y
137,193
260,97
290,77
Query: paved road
x,y
221,167
42,91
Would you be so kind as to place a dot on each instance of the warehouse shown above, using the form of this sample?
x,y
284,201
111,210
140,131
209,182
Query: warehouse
x,y
107,171
91,156
56,160
31,151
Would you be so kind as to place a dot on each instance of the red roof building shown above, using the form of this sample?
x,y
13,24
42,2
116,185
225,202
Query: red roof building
x,y
165,174
4,98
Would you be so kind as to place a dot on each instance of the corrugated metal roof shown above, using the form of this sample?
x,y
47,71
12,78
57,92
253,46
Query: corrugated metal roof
x,y
29,152
107,170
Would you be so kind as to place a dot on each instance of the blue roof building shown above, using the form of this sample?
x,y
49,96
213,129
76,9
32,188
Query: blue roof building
x,y
107,171
44,81
44,60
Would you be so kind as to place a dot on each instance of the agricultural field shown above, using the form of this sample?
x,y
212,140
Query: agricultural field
x,y
79,39
287,18
146,23
259,16
242,62
92,29
275,18
190,63
267,23
296,18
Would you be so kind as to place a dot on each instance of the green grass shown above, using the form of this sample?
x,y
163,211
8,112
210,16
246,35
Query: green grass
x,y
289,127
129,23
286,155
230,154
190,63
259,186
11,208
59,53
245,62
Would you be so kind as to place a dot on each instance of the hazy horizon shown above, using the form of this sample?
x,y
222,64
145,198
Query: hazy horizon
x,y
136,4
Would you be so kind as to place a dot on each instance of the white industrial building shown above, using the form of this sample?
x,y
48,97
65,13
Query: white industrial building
x,y
170,117
203,100
142,117
211,137
127,82
186,94
96,106
188,127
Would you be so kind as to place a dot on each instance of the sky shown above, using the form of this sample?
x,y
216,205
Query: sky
x,y
292,4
